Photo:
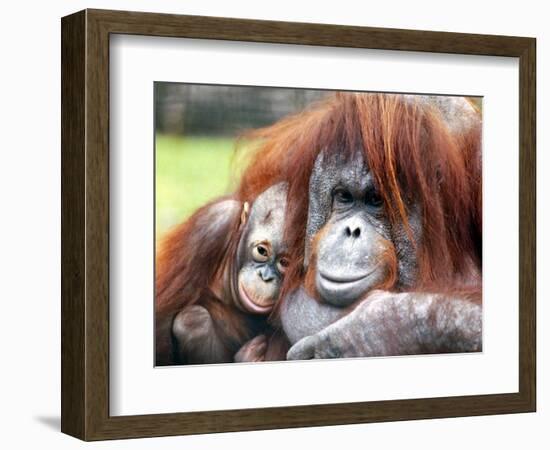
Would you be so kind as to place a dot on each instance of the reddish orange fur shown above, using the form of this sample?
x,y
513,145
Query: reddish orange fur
x,y
188,264
409,150
389,260
309,281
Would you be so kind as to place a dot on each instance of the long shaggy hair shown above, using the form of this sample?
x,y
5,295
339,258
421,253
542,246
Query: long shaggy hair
x,y
414,157
190,257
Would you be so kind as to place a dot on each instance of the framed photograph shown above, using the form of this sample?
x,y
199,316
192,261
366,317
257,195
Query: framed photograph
x,y
273,225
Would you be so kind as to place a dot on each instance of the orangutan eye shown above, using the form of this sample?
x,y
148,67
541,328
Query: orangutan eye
x,y
260,253
374,199
343,196
282,265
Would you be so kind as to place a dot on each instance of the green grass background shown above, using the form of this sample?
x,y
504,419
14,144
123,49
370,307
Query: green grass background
x,y
190,171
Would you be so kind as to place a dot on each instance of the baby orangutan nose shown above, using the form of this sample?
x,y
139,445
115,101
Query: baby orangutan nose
x,y
266,274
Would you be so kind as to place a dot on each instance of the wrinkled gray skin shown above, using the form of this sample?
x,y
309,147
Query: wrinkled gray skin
x,y
390,324
303,316
250,284
356,231
346,321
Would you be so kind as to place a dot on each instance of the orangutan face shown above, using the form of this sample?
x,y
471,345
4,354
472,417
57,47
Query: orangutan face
x,y
262,252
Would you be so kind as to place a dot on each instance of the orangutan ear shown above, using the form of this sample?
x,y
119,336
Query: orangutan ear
x,y
244,213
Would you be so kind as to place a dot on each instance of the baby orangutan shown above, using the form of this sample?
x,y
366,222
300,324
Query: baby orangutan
x,y
219,277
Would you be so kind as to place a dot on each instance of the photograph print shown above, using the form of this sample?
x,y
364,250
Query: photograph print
x,y
298,224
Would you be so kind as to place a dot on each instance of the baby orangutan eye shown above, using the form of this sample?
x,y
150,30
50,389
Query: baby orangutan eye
x,y
260,253
282,265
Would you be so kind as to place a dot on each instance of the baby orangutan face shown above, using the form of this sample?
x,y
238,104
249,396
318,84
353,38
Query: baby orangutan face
x,y
261,254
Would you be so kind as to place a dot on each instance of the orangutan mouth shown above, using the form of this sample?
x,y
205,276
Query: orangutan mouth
x,y
347,279
250,304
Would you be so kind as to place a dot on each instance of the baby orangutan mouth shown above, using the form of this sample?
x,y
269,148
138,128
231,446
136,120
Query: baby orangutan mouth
x,y
255,303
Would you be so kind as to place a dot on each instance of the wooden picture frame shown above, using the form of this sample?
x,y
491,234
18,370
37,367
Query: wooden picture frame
x,y
85,224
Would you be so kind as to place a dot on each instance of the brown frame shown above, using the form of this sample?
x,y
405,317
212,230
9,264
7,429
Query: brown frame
x,y
85,224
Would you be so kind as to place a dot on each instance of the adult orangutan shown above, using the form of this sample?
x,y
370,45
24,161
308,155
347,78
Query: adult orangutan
x,y
218,275
356,250
394,203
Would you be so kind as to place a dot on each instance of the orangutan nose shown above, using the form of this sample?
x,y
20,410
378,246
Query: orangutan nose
x,y
353,227
266,274
355,232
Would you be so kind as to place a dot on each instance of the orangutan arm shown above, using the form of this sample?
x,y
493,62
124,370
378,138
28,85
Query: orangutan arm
x,y
389,324
196,337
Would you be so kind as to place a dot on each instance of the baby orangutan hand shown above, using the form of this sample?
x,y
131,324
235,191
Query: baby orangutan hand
x,y
253,351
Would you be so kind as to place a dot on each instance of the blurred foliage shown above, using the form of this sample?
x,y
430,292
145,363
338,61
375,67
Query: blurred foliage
x,y
190,171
